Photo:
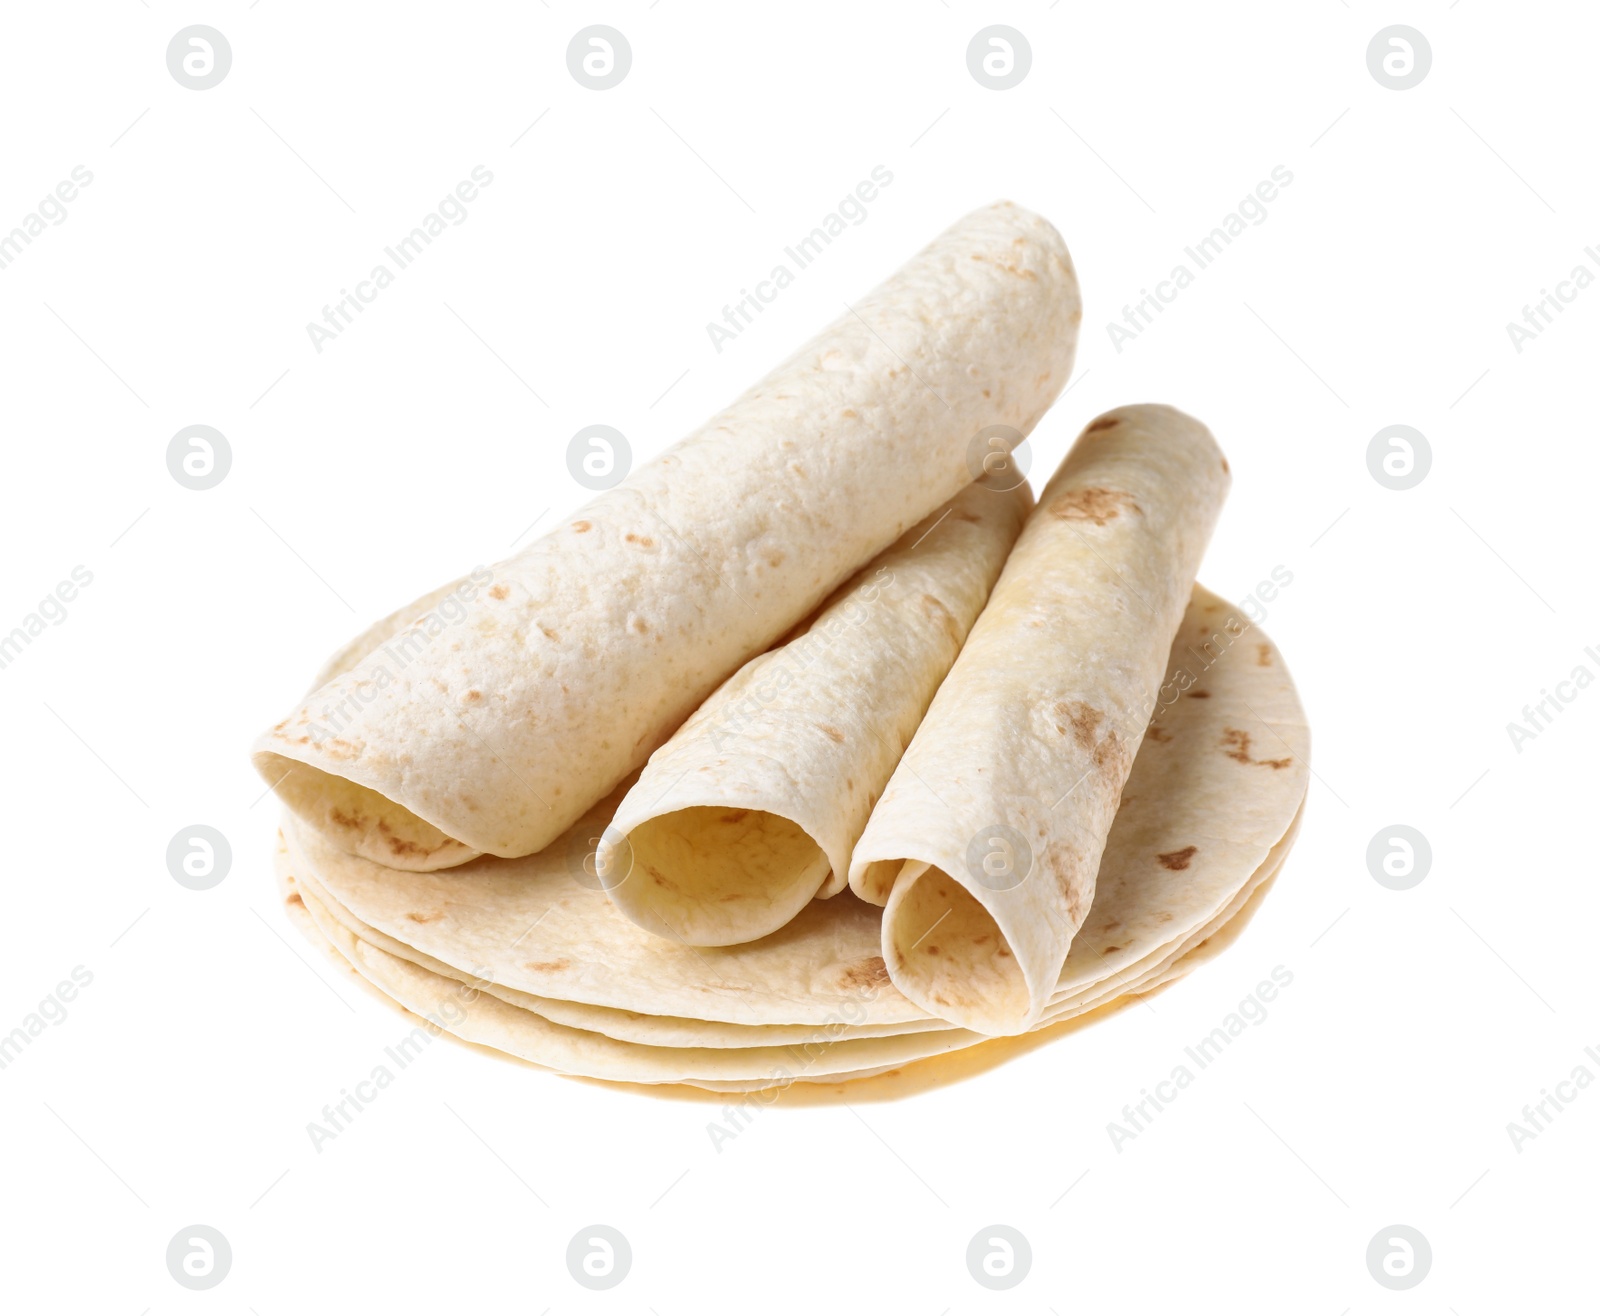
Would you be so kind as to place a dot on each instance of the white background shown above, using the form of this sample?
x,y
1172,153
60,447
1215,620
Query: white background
x,y
432,432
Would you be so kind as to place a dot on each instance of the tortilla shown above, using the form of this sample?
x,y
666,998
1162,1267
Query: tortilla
x,y
1198,818
751,809
463,1008
493,718
988,838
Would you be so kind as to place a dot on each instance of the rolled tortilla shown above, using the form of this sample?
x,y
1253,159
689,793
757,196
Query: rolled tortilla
x,y
987,839
751,809
493,719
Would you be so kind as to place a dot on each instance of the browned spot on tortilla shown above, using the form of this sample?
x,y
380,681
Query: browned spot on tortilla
x,y
935,611
639,624
1199,694
1165,916
1081,718
850,413
1225,467
1178,860
832,733
422,918
868,973
1093,504
339,818
293,898
968,517
548,633
1236,745
1104,423
933,950
281,725
582,527
1263,655
1110,950
734,815
1159,734
644,541
473,696
398,847
545,966
498,591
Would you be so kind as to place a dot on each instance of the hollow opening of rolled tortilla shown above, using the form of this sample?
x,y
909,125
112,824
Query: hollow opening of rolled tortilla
x,y
360,821
715,876
878,877
946,953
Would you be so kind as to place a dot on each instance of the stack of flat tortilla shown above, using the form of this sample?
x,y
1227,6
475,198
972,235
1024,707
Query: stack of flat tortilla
x,y
816,749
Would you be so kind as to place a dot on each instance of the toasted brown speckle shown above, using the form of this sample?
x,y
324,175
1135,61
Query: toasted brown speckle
x,y
1178,860
865,974
1093,504
1236,745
